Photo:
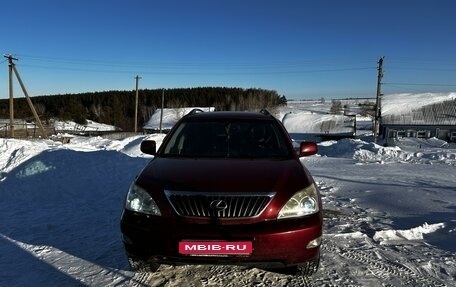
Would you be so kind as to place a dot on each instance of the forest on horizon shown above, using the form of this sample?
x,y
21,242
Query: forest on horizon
x,y
117,108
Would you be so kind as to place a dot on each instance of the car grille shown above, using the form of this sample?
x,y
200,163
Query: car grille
x,y
218,205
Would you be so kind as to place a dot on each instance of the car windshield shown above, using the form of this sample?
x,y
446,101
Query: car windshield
x,y
228,139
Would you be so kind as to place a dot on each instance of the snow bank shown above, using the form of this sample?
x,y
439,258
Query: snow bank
x,y
388,236
170,117
431,151
357,149
13,152
90,126
316,123
406,102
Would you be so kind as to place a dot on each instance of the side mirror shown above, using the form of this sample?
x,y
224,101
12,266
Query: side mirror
x,y
149,147
308,148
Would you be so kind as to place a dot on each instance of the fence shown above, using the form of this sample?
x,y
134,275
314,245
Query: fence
x,y
24,130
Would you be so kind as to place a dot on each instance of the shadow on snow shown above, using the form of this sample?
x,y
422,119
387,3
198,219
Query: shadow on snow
x,y
70,201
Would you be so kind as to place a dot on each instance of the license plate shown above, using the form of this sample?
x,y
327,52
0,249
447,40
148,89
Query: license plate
x,y
215,247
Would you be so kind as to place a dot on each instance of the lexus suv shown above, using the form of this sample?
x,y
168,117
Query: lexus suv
x,y
224,188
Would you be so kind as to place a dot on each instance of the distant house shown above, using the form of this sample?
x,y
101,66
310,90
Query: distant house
x,y
169,118
419,116
318,127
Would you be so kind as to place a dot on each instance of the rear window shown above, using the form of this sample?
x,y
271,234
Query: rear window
x,y
228,139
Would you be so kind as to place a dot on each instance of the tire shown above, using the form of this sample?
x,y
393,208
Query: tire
x,y
138,265
309,268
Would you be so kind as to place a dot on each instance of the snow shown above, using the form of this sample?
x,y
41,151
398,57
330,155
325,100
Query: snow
x,y
396,104
170,117
416,233
389,216
90,126
314,123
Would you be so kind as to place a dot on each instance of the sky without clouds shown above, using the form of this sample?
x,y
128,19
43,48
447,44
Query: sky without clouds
x,y
302,49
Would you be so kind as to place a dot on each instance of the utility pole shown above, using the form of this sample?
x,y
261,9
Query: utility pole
x,y
11,97
378,99
136,103
12,68
161,113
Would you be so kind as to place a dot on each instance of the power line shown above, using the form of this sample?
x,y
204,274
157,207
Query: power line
x,y
269,64
229,68
421,69
408,89
197,72
421,84
271,67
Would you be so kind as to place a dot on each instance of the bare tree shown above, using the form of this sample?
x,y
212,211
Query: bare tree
x,y
336,107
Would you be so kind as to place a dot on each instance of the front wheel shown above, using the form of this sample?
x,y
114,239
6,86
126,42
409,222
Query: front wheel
x,y
139,265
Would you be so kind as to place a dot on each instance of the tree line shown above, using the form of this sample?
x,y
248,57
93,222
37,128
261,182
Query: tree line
x,y
117,108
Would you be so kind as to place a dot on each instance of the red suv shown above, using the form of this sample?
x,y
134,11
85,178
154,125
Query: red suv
x,y
224,188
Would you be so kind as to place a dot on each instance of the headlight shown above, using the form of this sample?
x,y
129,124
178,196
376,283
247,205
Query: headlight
x,y
139,200
302,203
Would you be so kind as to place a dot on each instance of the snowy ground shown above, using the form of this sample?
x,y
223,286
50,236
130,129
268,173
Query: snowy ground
x,y
390,217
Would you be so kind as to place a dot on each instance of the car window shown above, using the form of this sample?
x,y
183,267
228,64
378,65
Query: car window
x,y
228,139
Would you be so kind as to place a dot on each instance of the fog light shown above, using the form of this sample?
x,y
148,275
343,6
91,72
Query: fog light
x,y
314,243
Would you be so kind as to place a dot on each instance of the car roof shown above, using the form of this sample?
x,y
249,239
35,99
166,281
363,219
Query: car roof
x,y
195,114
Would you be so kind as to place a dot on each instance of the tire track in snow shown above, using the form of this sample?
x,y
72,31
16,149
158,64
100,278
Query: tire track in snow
x,y
383,268
348,242
217,275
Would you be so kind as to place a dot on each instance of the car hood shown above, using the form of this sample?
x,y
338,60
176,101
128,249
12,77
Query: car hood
x,y
224,175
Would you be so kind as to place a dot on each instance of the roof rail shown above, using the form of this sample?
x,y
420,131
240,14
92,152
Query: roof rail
x,y
265,112
194,111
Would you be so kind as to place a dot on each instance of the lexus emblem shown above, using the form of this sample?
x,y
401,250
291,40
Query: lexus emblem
x,y
218,205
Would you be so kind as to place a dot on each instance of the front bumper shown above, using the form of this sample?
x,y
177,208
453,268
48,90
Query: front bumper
x,y
275,243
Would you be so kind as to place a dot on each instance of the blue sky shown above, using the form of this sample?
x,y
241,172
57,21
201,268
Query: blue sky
x,y
302,49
